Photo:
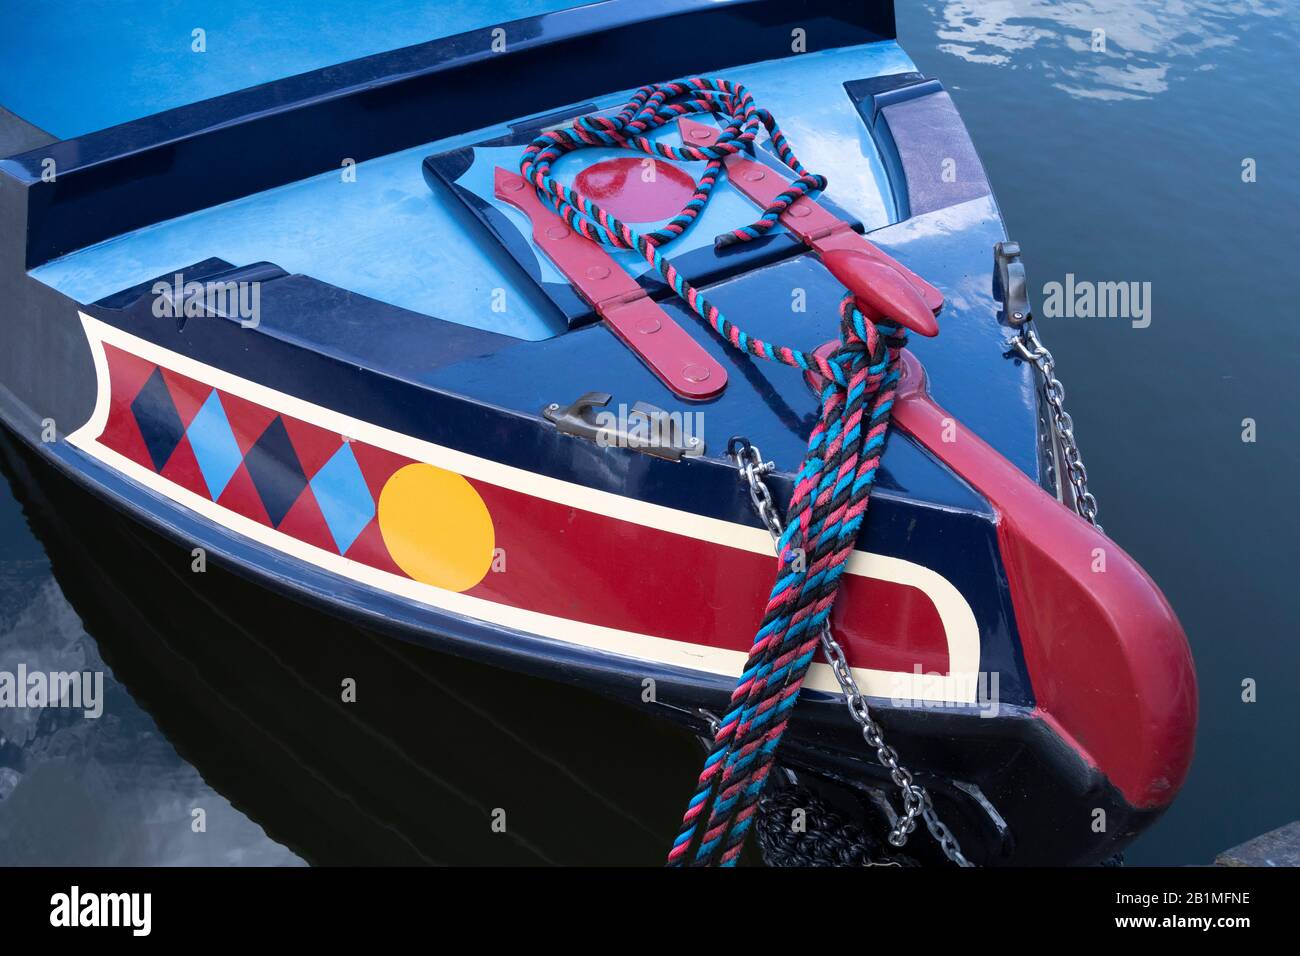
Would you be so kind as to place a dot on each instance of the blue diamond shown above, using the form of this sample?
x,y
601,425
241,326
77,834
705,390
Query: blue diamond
x,y
214,445
344,497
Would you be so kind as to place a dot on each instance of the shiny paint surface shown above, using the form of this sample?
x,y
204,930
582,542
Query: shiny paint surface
x,y
626,308
134,58
487,403
256,139
387,235
267,467
1106,654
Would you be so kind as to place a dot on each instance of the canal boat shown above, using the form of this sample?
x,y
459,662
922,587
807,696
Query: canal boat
x,y
313,321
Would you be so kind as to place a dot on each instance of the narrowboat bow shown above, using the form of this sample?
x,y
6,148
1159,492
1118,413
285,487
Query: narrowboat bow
x,y
381,336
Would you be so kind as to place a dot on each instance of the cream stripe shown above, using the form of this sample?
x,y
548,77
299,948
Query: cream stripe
x,y
955,613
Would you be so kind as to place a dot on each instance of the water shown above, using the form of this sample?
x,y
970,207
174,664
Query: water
x,y
1115,165
1127,165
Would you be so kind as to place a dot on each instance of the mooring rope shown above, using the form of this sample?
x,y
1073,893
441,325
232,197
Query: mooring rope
x,y
832,486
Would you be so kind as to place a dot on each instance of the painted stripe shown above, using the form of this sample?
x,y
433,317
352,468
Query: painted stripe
x,y
958,620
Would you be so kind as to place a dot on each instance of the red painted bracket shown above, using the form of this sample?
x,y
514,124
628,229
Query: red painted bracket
x,y
1107,658
882,285
665,347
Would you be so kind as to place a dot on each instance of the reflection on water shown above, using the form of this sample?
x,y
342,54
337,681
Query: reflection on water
x,y
109,790
1152,191
221,698
1148,44
1124,166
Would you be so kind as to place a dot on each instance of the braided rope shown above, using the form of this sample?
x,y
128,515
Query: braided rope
x,y
650,108
826,839
826,511
833,484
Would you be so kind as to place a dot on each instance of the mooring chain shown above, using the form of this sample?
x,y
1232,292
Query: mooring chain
x,y
916,799
1030,348
830,499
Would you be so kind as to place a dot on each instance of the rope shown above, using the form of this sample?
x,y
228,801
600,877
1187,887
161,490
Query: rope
x,y
825,839
833,484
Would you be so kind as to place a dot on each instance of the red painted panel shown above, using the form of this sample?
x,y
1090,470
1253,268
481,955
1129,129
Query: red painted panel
x,y
564,561
600,570
126,375
314,446
183,469
187,395
305,522
620,186
1107,658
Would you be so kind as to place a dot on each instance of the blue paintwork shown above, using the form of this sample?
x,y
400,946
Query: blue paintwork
x,y
160,426
345,501
236,145
385,315
214,445
75,66
276,473
920,511
377,345
388,236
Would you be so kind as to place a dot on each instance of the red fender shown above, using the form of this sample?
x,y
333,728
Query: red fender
x,y
1107,658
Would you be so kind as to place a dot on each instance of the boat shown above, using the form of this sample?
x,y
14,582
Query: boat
x,y
330,332
249,692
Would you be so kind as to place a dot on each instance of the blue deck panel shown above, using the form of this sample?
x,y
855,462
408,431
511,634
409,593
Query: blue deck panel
x,y
388,236
124,59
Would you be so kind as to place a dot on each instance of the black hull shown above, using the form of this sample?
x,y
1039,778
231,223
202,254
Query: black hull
x,y
247,686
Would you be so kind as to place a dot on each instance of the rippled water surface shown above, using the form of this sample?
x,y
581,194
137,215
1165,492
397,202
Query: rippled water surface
x,y
1126,164
1111,162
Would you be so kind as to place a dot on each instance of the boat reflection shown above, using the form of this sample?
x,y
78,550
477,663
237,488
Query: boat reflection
x,y
434,750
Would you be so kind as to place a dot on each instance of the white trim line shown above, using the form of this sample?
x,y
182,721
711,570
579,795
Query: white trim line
x,y
960,627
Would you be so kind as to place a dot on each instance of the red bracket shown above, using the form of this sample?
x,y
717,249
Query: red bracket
x,y
882,285
665,347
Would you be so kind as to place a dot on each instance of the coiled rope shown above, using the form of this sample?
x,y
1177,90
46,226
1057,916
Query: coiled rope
x,y
825,839
832,486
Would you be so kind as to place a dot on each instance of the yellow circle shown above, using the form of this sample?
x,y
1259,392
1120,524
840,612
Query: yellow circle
x,y
436,527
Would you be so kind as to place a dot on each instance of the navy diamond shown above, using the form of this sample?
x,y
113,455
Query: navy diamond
x,y
273,465
159,422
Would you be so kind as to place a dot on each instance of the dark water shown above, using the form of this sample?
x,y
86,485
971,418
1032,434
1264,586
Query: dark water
x,y
1127,165
1122,165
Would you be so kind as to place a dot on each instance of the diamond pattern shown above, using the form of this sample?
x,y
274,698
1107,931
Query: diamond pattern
x,y
301,479
214,445
344,499
160,425
277,475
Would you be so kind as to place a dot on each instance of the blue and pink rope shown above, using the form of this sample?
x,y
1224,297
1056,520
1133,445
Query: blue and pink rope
x,y
833,485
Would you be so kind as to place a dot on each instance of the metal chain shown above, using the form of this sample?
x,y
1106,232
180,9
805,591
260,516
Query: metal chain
x,y
1031,349
916,800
